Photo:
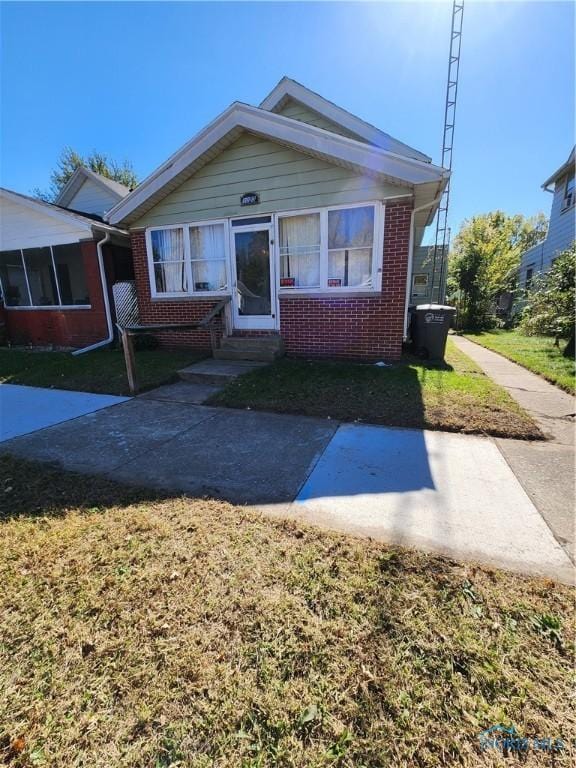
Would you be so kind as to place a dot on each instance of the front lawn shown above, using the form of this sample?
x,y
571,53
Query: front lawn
x,y
145,632
537,353
457,396
101,371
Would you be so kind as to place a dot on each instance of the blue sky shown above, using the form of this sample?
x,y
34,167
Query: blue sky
x,y
137,80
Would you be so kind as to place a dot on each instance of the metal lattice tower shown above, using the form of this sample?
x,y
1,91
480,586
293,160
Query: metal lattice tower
x,y
442,241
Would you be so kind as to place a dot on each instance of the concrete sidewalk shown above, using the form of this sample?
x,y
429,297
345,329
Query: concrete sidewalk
x,y
448,493
545,469
28,409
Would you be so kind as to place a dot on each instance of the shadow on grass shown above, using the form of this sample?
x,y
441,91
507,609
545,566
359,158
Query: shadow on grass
x,y
28,489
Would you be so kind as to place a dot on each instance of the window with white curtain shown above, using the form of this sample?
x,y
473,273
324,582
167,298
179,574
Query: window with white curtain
x,y
188,259
300,251
329,249
169,260
350,245
208,257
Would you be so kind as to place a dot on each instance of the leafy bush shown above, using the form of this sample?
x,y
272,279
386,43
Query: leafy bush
x,y
550,308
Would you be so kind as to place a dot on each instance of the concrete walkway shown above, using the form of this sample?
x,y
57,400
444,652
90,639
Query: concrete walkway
x,y
545,469
447,493
28,409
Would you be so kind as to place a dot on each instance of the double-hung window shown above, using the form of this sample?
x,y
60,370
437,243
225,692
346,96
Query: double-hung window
x,y
52,276
188,259
331,249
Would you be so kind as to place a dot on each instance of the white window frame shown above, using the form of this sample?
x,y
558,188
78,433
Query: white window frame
x,y
421,274
41,307
190,293
568,199
377,250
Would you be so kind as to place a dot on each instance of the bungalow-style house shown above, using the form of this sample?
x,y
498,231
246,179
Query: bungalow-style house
x,y
561,227
303,215
58,263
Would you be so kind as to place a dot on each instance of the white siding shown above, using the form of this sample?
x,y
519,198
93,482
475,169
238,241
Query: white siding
x,y
22,227
93,198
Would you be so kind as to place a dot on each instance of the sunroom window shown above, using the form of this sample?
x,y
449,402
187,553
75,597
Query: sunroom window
x,y
169,260
350,246
41,279
44,277
208,256
300,251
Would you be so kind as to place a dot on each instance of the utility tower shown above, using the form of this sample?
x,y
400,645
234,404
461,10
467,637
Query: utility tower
x,y
442,241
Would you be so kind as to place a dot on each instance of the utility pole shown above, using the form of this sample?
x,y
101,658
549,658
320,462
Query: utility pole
x,y
442,241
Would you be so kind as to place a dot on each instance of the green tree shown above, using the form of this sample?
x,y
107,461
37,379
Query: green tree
x,y
485,258
69,160
551,300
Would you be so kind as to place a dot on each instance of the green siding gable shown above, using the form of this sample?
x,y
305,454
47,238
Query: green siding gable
x,y
284,179
298,111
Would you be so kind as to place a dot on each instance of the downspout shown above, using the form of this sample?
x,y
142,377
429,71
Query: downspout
x,y
107,308
411,259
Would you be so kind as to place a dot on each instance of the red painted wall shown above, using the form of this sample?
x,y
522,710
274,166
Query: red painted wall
x,y
356,327
63,328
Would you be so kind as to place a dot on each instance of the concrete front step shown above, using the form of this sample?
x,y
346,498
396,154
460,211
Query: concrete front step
x,y
261,355
262,348
217,372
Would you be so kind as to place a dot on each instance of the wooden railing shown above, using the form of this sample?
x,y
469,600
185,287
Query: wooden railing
x,y
128,332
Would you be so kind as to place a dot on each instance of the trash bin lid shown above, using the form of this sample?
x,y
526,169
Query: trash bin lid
x,y
433,307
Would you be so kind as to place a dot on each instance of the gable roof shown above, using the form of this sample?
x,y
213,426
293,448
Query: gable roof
x,y
398,169
288,89
82,174
84,221
567,166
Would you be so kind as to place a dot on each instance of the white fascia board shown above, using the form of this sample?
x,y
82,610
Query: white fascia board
x,y
291,89
71,187
59,213
82,174
285,130
564,168
46,208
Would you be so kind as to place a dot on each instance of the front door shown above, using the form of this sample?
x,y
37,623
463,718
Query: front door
x,y
254,290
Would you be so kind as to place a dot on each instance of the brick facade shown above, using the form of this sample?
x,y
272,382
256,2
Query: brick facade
x,y
63,328
355,327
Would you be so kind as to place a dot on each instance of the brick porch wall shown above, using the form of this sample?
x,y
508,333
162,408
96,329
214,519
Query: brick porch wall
x,y
355,327
63,328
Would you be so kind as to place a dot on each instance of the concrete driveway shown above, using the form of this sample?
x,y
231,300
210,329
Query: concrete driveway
x,y
449,493
28,409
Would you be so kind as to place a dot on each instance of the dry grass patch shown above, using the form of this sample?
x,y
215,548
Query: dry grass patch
x,y
146,632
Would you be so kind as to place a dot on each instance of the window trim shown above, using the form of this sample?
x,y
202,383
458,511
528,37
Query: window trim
x,y
421,295
190,293
377,254
41,307
568,201
377,250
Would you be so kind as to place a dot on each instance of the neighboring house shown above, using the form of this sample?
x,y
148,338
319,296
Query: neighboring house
x,y
428,285
561,228
57,264
303,214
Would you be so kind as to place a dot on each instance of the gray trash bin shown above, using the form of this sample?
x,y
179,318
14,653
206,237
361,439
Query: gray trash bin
x,y
430,324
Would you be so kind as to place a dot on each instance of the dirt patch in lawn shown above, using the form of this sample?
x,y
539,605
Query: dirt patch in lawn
x,y
141,631
456,396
